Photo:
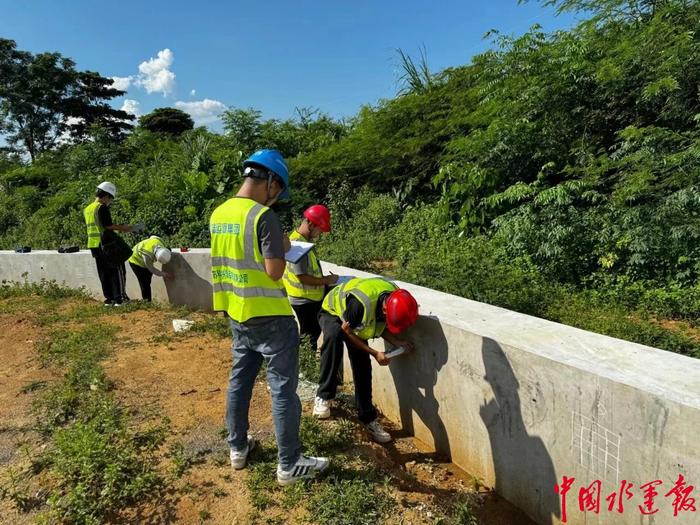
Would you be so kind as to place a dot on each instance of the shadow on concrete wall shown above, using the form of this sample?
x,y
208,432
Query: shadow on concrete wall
x,y
521,462
415,377
187,287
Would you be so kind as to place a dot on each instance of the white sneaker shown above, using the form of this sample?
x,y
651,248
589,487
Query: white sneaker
x,y
377,433
239,458
322,408
305,467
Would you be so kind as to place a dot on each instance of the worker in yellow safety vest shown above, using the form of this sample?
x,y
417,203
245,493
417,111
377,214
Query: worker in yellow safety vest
x,y
304,279
352,313
97,219
143,257
247,262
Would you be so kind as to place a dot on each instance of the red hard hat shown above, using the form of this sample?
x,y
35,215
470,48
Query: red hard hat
x,y
401,311
319,215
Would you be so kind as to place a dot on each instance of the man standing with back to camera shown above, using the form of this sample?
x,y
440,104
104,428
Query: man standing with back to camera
x,y
247,259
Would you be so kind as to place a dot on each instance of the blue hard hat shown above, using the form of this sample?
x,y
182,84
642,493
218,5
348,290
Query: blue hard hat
x,y
273,161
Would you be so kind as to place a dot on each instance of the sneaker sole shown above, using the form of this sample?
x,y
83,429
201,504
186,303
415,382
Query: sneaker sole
x,y
311,474
322,415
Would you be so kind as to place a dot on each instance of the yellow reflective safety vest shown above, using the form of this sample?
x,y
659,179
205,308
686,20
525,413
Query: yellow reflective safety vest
x,y
146,247
241,286
367,291
295,288
94,229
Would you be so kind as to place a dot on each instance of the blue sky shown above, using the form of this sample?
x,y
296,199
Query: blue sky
x,y
271,55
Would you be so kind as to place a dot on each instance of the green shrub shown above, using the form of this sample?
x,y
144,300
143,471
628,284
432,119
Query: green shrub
x,y
102,467
361,228
582,311
44,288
477,269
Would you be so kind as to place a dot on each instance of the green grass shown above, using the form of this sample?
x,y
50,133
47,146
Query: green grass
x,y
101,465
349,502
97,462
585,312
216,325
351,492
325,438
44,288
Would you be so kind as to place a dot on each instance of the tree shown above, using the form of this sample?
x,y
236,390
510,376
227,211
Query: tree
x,y
243,126
44,99
612,9
167,120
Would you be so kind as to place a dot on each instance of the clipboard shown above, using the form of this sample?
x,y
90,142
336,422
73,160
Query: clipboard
x,y
298,250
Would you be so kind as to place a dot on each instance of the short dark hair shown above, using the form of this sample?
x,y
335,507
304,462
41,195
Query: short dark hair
x,y
102,193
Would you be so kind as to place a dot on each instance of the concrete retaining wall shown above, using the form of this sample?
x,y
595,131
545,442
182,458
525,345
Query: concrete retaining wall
x,y
191,286
515,400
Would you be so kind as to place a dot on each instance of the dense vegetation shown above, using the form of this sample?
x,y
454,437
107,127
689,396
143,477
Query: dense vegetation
x,y
556,174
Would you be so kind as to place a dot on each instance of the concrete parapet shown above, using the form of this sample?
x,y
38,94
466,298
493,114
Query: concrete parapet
x,y
517,401
191,286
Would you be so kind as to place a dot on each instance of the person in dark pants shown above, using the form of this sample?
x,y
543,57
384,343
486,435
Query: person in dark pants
x,y
352,313
145,253
304,280
97,219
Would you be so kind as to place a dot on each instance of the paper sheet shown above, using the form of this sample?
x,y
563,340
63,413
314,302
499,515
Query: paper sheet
x,y
297,251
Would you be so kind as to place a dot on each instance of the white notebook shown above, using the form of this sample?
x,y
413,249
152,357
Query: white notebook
x,y
297,251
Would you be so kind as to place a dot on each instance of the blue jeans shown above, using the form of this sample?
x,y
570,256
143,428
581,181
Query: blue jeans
x,y
277,341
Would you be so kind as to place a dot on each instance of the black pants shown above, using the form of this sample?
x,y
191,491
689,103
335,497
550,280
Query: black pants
x,y
112,278
307,314
144,276
331,359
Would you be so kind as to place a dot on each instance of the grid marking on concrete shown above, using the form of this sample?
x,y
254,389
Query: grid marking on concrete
x,y
598,447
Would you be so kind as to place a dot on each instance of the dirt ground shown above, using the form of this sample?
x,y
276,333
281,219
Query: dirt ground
x,y
183,378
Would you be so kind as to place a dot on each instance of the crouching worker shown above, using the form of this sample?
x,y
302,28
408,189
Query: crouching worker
x,y
141,261
304,280
353,313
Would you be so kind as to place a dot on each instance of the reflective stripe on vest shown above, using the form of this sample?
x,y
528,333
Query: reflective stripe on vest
x,y
295,288
240,283
94,230
145,248
367,291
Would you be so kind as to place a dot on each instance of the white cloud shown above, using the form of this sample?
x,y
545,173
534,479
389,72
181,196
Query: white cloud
x,y
204,111
155,75
193,92
65,137
121,83
132,106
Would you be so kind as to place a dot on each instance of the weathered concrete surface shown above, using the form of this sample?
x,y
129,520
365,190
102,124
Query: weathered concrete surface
x,y
191,285
518,401
521,402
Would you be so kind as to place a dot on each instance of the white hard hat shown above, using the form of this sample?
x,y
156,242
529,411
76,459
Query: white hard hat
x,y
163,255
108,187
